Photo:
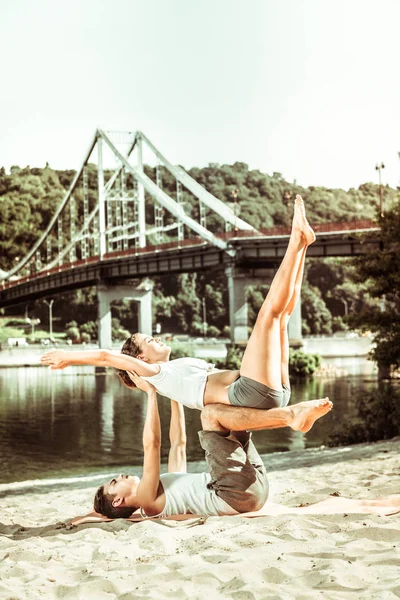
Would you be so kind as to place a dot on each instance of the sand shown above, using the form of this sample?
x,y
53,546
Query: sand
x,y
287,556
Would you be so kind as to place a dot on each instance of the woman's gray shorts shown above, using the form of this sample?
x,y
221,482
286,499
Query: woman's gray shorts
x,y
249,393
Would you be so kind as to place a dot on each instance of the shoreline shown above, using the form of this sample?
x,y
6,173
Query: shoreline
x,y
328,348
274,461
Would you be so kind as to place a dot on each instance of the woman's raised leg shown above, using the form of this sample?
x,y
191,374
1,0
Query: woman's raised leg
x,y
263,356
284,339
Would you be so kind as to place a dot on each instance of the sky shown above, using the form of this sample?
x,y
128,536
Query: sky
x,y
309,88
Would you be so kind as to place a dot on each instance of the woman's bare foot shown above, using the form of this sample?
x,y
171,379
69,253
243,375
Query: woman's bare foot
x,y
300,222
306,413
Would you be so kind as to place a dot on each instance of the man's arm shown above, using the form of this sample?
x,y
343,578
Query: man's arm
x,y
60,359
147,492
177,437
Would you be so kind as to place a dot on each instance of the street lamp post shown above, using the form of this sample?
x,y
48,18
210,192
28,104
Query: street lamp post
x,y
32,323
379,167
50,305
204,317
346,305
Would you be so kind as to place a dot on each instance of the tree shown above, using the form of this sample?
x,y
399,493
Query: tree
x,y
72,331
317,318
380,271
334,277
188,304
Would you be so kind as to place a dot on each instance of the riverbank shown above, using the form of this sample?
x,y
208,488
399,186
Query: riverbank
x,y
328,347
301,556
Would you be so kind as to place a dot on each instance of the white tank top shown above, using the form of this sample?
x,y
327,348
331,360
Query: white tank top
x,y
183,380
188,493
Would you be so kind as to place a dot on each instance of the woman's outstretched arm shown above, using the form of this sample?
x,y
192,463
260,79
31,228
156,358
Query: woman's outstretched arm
x,y
60,359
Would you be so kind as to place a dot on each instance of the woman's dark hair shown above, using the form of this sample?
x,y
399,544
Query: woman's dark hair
x,y
131,347
103,505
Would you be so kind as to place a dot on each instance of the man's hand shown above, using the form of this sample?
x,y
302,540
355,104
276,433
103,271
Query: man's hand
x,y
55,359
140,383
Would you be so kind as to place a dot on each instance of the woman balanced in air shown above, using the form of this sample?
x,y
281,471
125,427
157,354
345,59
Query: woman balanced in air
x,y
263,379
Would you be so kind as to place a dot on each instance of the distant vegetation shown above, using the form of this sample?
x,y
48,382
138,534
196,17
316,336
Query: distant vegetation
x,y
375,416
379,273
301,364
335,292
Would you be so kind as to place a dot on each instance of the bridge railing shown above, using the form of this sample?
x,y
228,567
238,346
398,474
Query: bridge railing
x,y
356,225
350,226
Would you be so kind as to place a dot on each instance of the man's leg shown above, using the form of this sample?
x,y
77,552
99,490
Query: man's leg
x,y
262,358
300,417
237,472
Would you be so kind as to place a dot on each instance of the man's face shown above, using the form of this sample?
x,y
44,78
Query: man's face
x,y
123,487
153,350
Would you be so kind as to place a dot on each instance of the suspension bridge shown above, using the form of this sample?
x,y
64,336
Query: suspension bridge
x,y
136,228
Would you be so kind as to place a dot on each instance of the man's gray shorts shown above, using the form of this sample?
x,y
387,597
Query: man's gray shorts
x,y
238,475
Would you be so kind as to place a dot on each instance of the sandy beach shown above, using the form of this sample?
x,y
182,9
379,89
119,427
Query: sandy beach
x,y
286,556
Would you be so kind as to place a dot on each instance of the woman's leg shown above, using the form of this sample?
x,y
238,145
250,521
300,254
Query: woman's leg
x,y
284,339
262,358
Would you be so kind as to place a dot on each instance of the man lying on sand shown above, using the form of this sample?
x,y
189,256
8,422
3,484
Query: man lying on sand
x,y
263,379
236,481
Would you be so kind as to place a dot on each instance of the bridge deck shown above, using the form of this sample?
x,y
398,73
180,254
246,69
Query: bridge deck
x,y
244,250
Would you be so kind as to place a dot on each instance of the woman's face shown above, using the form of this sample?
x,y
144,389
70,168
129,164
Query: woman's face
x,y
153,350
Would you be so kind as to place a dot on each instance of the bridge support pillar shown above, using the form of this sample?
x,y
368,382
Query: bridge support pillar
x,y
238,281
294,327
238,312
108,293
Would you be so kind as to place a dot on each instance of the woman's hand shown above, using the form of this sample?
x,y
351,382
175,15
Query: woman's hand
x,y
140,383
55,359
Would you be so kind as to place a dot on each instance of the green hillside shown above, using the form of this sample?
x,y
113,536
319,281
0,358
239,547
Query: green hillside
x,y
30,196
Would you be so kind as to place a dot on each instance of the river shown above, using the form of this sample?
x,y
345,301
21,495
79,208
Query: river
x,y
75,423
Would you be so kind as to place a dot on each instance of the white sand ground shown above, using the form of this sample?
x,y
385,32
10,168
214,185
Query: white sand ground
x,y
286,556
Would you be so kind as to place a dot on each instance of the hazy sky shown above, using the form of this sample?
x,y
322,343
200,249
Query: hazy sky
x,y
308,88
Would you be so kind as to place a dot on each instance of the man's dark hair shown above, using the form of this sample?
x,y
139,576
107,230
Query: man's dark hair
x,y
103,505
131,347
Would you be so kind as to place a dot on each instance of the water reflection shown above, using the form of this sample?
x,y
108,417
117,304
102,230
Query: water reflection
x,y
66,423
106,415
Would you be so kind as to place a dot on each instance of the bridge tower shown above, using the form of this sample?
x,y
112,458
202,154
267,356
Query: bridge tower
x,y
105,238
101,200
108,293
141,203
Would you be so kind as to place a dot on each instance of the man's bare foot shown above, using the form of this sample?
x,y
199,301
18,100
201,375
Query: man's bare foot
x,y
306,413
300,222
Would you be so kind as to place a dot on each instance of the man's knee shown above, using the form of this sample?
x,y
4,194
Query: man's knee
x,y
261,498
210,418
